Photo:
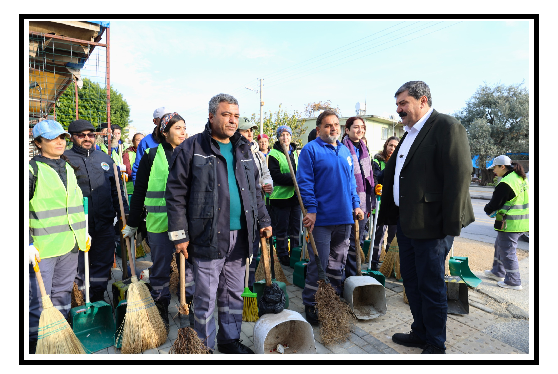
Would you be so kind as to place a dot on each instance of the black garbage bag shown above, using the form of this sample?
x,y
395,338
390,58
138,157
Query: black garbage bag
x,y
272,300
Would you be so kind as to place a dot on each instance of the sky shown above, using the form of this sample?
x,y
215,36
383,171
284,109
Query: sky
x,y
181,64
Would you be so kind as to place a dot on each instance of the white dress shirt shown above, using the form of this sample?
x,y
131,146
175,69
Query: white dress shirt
x,y
412,133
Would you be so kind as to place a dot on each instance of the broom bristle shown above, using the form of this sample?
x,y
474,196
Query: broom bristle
x,y
143,327
391,260
174,277
259,274
279,274
77,297
250,309
188,342
145,246
334,315
55,334
405,300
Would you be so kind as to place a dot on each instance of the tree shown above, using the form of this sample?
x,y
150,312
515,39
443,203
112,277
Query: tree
x,y
497,122
271,121
92,105
312,108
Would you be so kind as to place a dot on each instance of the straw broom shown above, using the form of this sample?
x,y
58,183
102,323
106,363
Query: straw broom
x,y
333,314
278,269
55,334
143,328
250,307
391,261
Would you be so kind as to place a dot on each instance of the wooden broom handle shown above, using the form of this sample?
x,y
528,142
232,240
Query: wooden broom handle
x,y
40,279
265,259
357,248
127,240
182,279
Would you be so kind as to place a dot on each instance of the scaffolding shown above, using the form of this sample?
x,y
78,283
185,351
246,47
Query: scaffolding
x,y
68,57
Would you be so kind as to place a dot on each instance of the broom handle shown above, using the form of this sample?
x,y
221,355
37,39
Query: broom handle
x,y
132,267
182,279
39,279
247,273
265,260
357,248
303,209
371,248
86,254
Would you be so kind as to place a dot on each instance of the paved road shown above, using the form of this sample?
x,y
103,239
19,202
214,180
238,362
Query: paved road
x,y
482,229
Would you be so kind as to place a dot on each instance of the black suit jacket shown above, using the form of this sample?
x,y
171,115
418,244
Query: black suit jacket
x,y
434,182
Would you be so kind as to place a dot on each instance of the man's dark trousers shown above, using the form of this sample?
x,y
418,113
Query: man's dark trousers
x,y
422,269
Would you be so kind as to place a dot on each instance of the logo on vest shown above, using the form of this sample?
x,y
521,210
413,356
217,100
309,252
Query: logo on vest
x,y
349,161
105,166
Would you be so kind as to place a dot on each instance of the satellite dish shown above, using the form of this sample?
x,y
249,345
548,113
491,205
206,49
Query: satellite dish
x,y
357,106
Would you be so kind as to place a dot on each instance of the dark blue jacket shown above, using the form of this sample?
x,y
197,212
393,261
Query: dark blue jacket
x,y
98,185
197,195
146,143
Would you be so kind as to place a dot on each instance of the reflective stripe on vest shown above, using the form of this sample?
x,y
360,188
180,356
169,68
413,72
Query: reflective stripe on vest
x,y
516,210
155,203
56,217
282,192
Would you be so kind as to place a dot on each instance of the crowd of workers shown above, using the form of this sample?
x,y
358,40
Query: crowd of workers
x,y
210,196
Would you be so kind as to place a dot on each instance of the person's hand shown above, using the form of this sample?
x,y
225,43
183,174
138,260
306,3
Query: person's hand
x,y
34,255
125,177
309,220
182,248
268,188
128,231
358,214
266,232
87,244
378,190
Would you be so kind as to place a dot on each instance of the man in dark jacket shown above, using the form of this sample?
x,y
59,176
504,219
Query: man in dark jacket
x,y
426,193
214,209
95,177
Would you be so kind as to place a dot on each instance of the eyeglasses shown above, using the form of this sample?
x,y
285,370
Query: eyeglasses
x,y
81,135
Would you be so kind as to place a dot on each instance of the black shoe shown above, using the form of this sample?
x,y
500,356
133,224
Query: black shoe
x,y
311,315
285,260
234,347
32,347
164,312
408,340
430,349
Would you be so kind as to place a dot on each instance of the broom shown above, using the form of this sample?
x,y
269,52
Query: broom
x,y
334,315
250,308
55,334
143,328
391,261
278,269
187,341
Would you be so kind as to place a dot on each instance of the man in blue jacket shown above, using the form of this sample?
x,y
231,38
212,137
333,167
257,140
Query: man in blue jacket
x,y
215,210
95,176
148,141
326,180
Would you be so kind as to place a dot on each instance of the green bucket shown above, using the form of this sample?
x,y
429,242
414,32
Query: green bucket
x,y
295,256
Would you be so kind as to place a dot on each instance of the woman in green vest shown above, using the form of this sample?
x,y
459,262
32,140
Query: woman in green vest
x,y
149,190
128,158
56,223
510,207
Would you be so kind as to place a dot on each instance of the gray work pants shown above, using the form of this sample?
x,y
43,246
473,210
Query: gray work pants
x,y
505,264
222,280
332,244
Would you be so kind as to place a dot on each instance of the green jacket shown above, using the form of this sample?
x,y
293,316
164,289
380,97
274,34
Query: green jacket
x,y
516,210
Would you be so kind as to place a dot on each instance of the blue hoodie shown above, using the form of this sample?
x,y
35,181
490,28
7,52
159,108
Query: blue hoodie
x,y
327,184
146,143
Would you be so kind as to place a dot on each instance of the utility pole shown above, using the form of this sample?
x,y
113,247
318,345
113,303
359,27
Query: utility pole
x,y
261,102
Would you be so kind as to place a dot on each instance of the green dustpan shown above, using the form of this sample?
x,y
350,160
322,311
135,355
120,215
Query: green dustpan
x,y
92,323
459,266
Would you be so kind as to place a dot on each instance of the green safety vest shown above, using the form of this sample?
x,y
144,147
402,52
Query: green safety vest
x,y
155,203
517,209
130,183
282,192
56,216
116,157
382,165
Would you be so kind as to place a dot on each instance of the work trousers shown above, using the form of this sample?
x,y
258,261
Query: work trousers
x,y
58,275
101,258
379,240
350,266
422,268
286,226
505,263
332,244
162,250
222,280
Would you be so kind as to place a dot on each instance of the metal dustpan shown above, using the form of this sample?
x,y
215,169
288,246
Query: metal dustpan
x,y
459,266
365,295
92,323
458,295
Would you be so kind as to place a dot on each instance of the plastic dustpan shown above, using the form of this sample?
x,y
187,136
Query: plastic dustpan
x,y
457,294
92,323
459,266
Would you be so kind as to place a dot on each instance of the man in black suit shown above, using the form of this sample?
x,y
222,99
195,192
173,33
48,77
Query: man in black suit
x,y
426,193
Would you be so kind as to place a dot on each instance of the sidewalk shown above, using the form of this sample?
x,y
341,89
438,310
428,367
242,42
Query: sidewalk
x,y
497,322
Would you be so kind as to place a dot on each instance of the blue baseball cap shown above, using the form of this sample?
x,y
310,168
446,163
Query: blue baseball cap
x,y
48,129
